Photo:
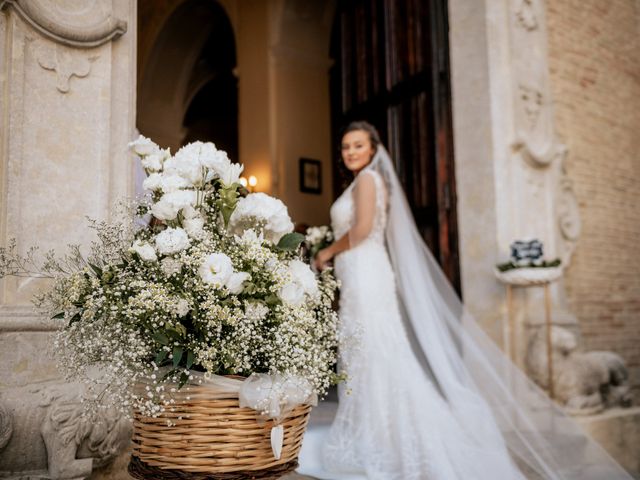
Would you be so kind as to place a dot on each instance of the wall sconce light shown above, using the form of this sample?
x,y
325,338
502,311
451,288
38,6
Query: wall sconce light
x,y
249,184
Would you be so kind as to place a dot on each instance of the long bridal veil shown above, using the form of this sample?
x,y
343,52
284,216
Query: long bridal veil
x,y
480,384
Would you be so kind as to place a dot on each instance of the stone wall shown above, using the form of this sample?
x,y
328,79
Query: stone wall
x,y
594,59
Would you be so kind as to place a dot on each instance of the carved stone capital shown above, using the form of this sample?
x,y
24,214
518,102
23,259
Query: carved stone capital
x,y
79,35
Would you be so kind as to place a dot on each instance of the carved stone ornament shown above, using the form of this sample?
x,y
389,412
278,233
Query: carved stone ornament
x,y
44,434
65,62
526,15
568,213
584,382
38,14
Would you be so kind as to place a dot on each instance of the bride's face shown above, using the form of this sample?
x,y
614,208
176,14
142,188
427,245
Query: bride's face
x,y
357,150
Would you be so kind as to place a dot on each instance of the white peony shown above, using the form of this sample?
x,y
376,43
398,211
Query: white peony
x,y
172,240
144,250
143,146
292,293
235,283
164,210
172,182
153,182
262,209
170,266
216,269
194,226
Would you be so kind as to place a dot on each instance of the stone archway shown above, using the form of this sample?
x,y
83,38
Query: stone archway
x,y
187,58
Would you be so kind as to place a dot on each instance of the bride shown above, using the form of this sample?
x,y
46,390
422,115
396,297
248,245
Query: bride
x,y
429,396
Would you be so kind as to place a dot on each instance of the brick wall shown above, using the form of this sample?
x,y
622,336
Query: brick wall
x,y
594,55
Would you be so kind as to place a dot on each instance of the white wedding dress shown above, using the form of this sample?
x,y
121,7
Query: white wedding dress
x,y
429,396
392,423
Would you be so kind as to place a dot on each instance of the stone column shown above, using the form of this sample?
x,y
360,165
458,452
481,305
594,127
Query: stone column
x,y
67,107
511,179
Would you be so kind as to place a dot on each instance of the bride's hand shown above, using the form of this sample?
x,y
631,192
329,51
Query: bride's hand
x,y
322,257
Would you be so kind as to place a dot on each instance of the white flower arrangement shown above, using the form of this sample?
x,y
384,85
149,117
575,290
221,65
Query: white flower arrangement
x,y
214,283
316,239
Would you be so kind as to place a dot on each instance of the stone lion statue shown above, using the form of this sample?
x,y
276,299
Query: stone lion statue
x,y
43,432
585,382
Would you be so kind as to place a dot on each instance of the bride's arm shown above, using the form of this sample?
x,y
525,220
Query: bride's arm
x,y
364,199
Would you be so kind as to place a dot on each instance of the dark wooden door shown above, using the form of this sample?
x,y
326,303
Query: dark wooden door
x,y
391,68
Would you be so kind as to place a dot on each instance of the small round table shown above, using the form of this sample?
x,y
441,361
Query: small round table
x,y
529,277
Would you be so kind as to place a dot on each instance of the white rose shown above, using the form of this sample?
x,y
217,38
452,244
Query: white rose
x,y
194,226
164,210
144,250
304,276
235,283
182,307
292,293
144,146
232,174
153,182
216,269
171,266
171,183
172,240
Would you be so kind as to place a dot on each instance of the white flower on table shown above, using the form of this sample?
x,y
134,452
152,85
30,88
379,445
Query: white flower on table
x,y
172,240
262,209
144,250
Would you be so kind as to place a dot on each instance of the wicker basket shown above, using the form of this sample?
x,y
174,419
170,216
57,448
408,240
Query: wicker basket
x,y
213,439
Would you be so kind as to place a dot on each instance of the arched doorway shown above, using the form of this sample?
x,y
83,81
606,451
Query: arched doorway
x,y
187,88
391,68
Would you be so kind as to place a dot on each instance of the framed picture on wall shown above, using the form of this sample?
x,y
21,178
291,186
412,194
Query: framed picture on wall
x,y
310,176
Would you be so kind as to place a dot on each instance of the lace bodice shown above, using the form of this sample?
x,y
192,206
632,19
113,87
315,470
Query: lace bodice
x,y
361,210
